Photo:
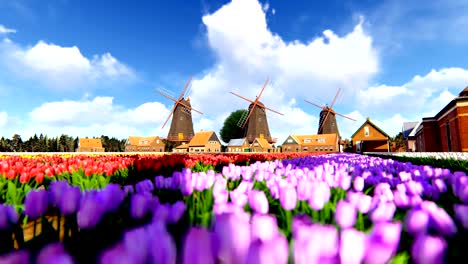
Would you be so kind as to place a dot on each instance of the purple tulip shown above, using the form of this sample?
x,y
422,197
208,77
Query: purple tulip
x,y
116,254
353,246
128,189
272,251
288,197
159,182
16,257
383,212
358,184
69,203
161,213
90,213
383,242
401,200
36,203
198,248
111,197
304,190
186,183
258,202
345,214
54,254
162,246
417,221
55,191
298,222
8,216
264,227
137,244
238,198
365,204
231,237
320,196
316,244
461,213
176,212
428,249
140,205
144,186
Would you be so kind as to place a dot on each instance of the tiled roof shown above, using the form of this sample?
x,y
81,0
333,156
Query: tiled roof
x,y
263,143
136,141
200,138
183,146
236,142
408,127
90,143
414,130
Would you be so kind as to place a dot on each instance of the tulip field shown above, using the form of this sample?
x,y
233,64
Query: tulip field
x,y
230,208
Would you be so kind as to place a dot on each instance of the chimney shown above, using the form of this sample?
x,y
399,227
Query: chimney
x,y
368,118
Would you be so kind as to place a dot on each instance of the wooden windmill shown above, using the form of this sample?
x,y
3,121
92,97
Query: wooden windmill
x,y
255,119
181,129
327,121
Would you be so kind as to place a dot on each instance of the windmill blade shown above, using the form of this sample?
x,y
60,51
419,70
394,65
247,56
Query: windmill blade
x,y
238,95
169,116
185,88
165,94
191,108
314,104
334,99
250,113
261,92
274,111
189,90
344,116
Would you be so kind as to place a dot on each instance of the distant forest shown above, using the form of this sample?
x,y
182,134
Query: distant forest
x,y
64,143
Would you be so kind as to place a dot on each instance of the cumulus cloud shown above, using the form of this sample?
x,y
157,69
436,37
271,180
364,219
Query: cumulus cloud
x,y
248,52
3,119
95,117
5,30
62,67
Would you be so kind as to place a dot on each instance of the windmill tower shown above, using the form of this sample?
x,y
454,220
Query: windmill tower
x,y
256,119
181,129
327,121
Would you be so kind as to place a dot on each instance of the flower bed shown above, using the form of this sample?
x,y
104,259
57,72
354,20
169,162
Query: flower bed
x,y
339,208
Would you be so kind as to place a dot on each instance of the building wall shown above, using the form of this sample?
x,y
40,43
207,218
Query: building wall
x,y
258,149
375,146
291,148
151,148
449,121
90,150
236,149
208,148
431,137
373,135
463,127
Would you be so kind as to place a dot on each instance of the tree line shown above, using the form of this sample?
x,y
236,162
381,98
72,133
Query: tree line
x,y
63,143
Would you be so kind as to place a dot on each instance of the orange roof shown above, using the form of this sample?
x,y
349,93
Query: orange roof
x,y
263,143
314,139
142,141
200,138
90,143
183,146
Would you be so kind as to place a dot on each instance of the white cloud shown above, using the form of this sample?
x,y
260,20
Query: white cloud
x,y
99,116
248,52
422,94
60,67
5,30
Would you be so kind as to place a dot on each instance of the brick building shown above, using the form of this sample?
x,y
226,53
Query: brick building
x,y
204,142
448,130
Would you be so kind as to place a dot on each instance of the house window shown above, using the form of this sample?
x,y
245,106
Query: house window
x,y
256,144
157,141
366,131
259,119
290,140
307,140
305,149
297,149
321,140
160,150
316,149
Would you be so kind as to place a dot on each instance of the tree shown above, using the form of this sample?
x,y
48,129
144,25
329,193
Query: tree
x,y
230,129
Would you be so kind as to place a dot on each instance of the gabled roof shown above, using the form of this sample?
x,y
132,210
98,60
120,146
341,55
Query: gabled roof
x,y
136,141
201,138
236,142
293,137
90,143
263,143
372,124
408,127
414,130
183,146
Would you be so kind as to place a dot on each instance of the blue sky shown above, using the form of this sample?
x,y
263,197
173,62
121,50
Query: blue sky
x,y
87,68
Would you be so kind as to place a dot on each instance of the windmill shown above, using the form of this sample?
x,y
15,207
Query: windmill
x,y
255,118
327,121
181,129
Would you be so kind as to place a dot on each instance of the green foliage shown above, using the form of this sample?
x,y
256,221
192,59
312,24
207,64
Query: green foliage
x,y
230,129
